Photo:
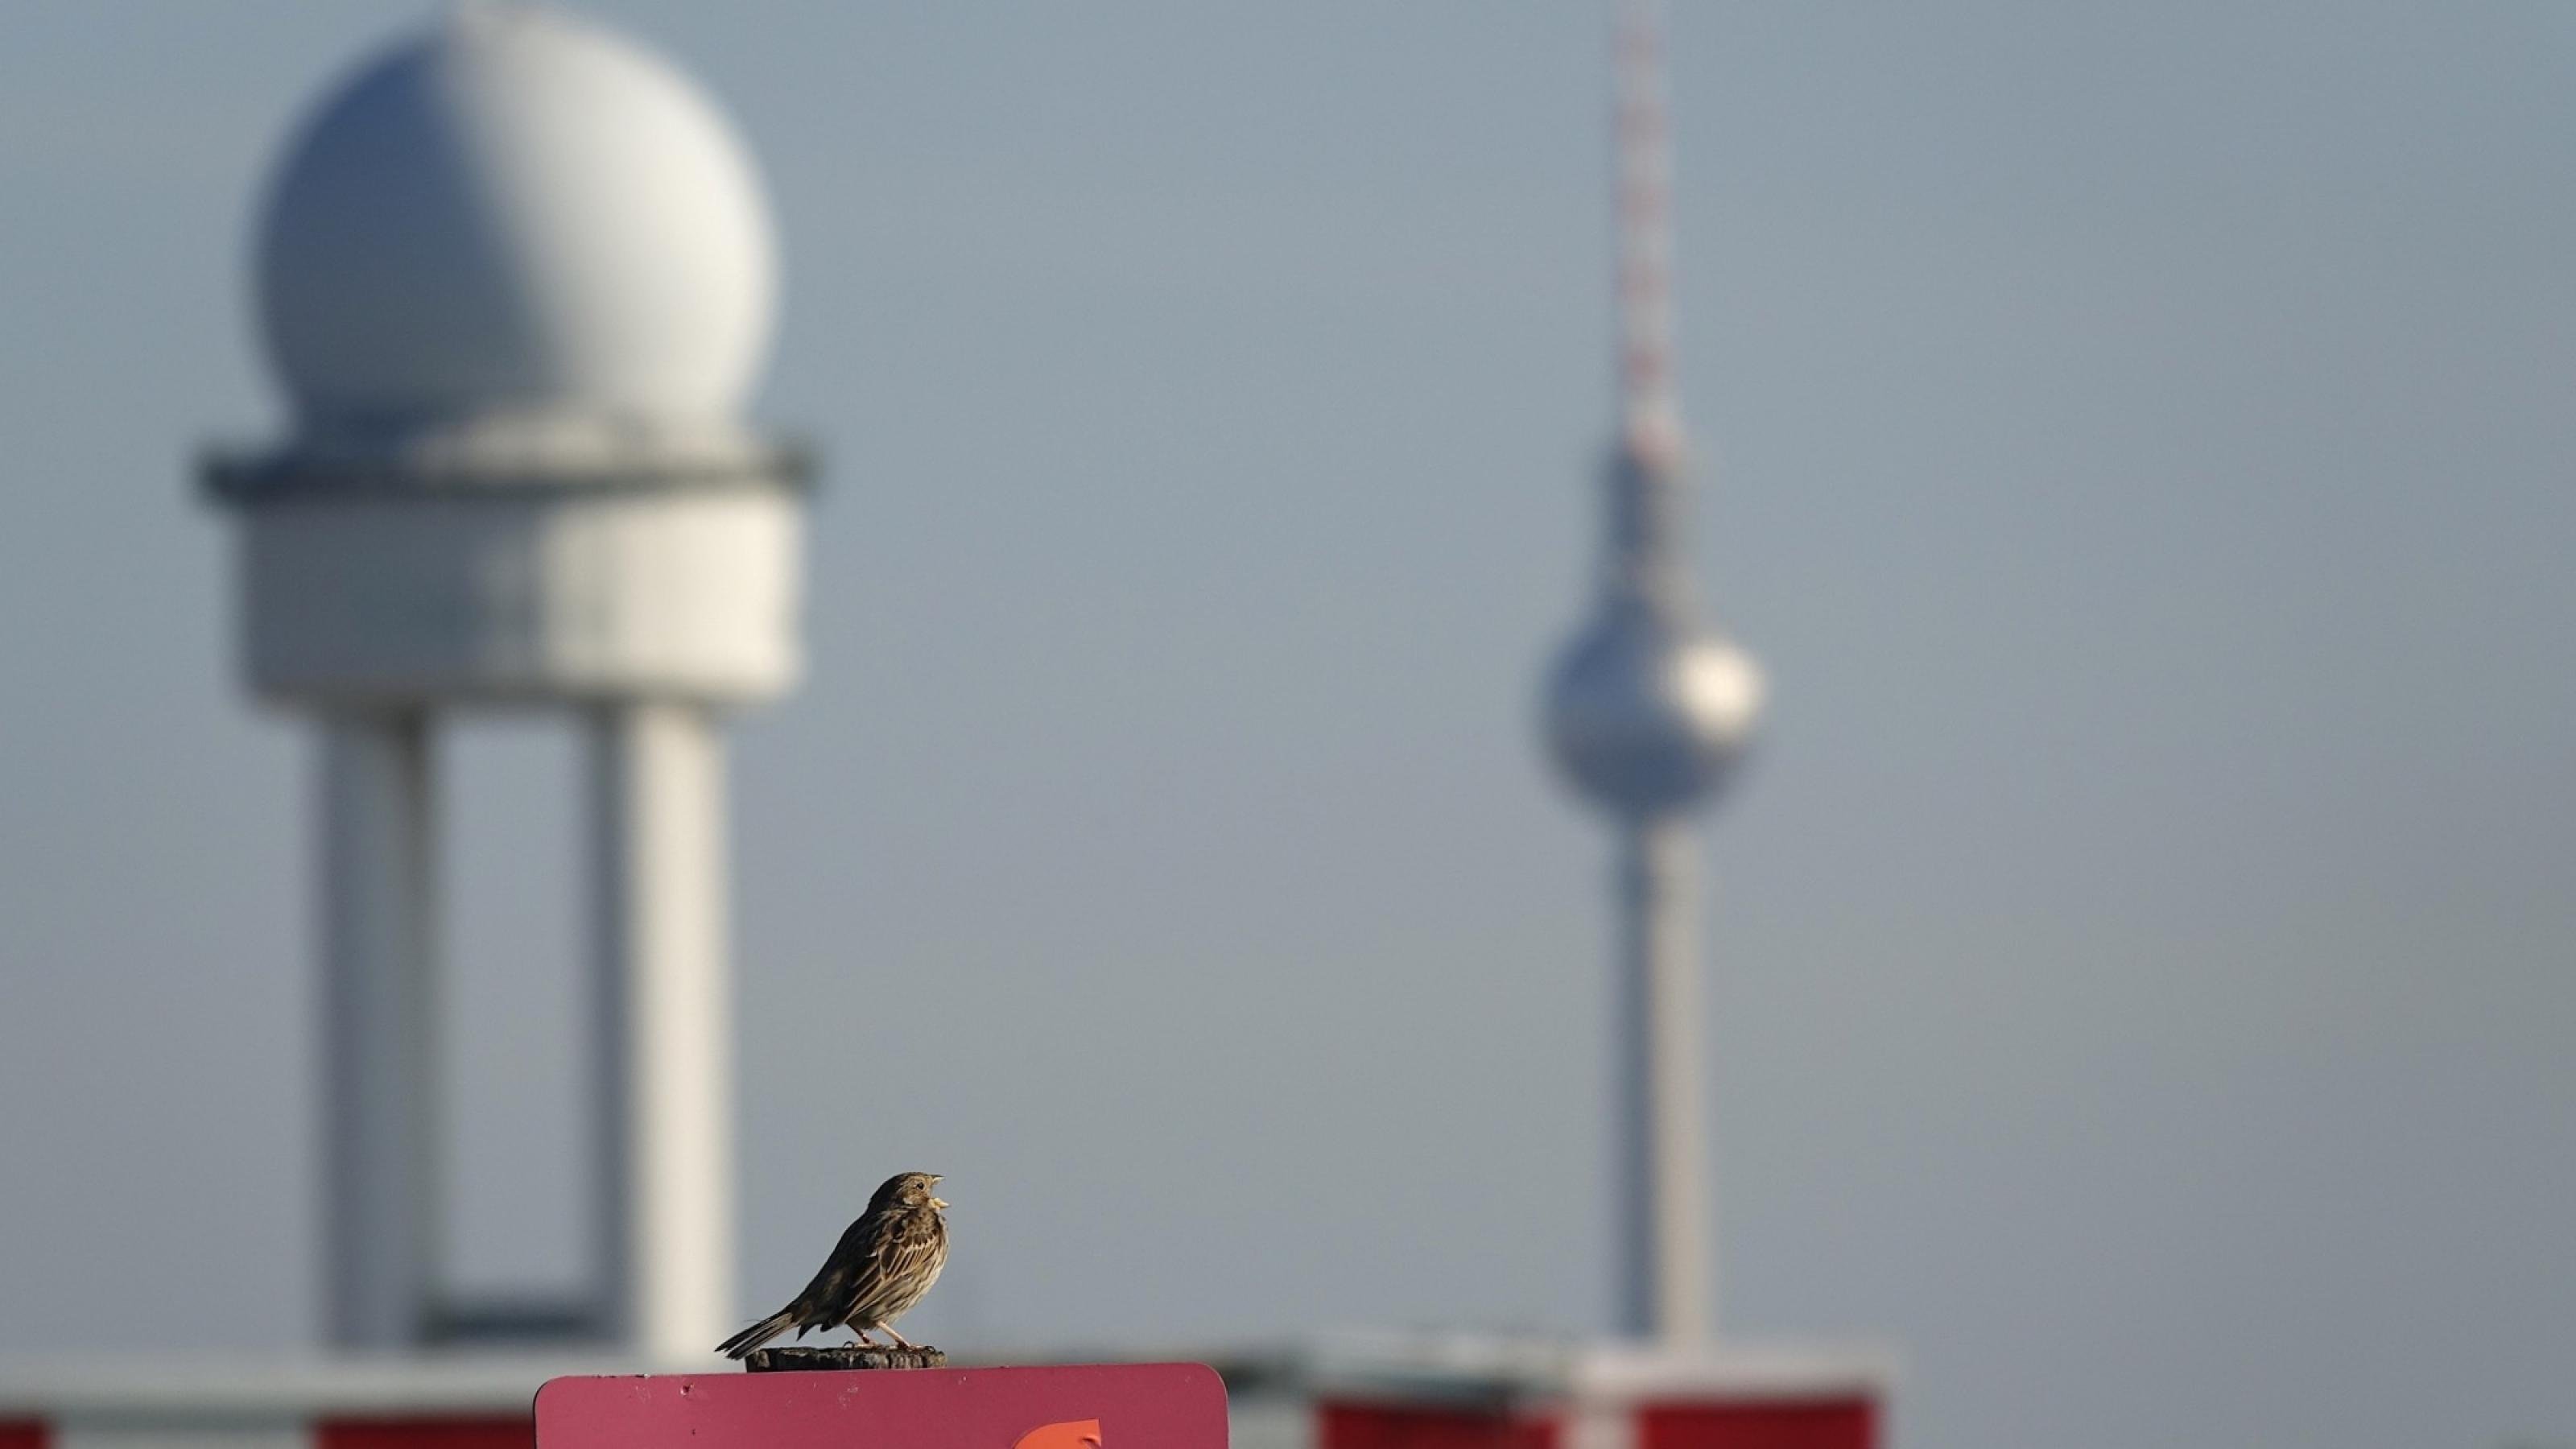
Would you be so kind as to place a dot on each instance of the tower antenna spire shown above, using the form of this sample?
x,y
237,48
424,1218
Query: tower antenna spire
x,y
1650,414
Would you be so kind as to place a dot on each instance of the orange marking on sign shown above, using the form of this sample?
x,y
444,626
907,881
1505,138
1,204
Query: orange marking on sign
x,y
1071,1434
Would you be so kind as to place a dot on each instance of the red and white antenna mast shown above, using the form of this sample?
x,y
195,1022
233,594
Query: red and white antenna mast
x,y
1650,414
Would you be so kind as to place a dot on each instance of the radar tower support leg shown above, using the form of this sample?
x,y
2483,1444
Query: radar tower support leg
x,y
378,873
665,1130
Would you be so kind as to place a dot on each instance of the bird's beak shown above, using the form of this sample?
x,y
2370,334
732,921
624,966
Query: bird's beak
x,y
939,1202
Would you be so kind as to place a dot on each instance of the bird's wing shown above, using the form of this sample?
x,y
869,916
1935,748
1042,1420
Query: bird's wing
x,y
826,1300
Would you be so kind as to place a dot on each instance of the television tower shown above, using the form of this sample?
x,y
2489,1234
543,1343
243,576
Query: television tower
x,y
1647,709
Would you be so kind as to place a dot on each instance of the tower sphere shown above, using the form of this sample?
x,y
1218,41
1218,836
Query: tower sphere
x,y
1646,716
516,212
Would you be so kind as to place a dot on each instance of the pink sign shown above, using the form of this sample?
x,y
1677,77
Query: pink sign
x,y
1103,1406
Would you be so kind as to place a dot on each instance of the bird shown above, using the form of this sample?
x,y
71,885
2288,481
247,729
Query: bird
x,y
882,1266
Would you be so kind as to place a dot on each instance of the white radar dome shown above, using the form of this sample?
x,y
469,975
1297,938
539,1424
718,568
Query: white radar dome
x,y
516,212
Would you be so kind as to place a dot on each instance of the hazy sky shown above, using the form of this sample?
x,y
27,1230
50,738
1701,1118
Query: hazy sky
x,y
2144,953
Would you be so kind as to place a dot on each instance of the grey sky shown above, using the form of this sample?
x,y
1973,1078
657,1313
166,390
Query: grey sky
x,y
2140,446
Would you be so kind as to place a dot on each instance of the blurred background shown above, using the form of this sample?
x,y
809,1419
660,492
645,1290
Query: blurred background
x,y
2136,445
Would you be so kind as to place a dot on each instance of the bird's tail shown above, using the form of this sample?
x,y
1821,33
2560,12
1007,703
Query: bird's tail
x,y
758,1334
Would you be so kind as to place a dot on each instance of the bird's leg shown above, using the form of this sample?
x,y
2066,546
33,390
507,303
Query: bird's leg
x,y
864,1340
899,1339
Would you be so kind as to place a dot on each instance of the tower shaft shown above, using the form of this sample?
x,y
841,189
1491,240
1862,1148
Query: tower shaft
x,y
1666,1288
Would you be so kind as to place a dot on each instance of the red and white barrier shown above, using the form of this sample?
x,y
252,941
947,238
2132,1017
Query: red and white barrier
x,y
1436,1393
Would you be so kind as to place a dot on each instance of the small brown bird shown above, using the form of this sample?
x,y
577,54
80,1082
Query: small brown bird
x,y
882,1266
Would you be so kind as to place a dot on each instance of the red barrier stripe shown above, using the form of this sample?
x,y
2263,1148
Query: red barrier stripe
x,y
1827,1424
1373,1426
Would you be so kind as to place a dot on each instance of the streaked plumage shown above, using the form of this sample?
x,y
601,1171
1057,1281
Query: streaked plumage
x,y
882,1266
